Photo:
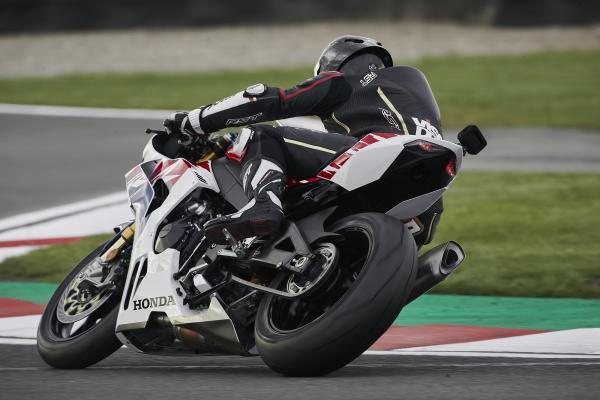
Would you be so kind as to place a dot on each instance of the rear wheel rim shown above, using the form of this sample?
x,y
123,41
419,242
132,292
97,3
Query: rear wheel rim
x,y
289,315
328,256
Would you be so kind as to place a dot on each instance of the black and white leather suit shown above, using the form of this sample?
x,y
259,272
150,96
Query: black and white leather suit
x,y
393,100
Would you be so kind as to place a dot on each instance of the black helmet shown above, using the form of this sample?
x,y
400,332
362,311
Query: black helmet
x,y
343,48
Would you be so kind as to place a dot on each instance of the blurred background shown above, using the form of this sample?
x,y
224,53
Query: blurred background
x,y
527,209
70,15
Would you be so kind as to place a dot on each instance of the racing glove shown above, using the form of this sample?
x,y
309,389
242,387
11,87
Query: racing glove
x,y
179,124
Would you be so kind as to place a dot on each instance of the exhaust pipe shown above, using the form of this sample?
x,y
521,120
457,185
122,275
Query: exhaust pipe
x,y
435,266
190,337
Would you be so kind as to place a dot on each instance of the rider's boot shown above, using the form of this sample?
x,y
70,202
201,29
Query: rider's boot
x,y
263,182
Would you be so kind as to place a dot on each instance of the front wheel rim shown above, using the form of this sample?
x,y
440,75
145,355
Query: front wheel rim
x,y
77,312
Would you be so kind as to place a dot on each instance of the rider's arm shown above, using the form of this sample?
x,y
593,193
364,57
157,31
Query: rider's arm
x,y
258,103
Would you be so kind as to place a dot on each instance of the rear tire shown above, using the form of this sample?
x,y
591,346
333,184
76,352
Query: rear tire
x,y
361,314
87,347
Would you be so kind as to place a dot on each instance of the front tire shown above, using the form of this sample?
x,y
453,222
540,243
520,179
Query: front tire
x,y
375,272
84,342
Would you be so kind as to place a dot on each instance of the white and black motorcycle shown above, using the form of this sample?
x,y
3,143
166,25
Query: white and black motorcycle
x,y
308,302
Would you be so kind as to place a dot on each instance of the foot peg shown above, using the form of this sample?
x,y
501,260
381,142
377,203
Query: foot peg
x,y
236,246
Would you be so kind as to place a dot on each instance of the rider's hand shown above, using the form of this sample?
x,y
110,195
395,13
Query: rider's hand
x,y
178,124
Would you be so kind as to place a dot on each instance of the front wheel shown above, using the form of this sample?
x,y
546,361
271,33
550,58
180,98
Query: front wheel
x,y
336,322
77,328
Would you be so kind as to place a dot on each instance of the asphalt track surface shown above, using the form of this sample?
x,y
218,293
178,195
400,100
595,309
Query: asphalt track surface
x,y
52,160
130,375
49,161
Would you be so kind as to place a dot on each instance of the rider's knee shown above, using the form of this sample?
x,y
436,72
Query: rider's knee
x,y
252,141
263,132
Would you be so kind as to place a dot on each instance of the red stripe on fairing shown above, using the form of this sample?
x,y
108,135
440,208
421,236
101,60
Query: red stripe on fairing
x,y
326,78
17,308
326,174
369,139
375,137
291,182
40,242
401,337
172,168
386,135
341,160
205,165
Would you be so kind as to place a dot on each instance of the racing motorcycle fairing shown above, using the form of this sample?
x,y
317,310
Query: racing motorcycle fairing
x,y
410,178
400,175
141,182
150,287
376,153
151,290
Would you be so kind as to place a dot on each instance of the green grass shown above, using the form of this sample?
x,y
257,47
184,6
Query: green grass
x,y
525,234
555,89
49,264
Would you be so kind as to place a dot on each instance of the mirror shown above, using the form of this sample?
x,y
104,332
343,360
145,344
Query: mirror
x,y
472,139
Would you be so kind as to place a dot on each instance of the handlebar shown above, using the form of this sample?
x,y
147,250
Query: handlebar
x,y
158,132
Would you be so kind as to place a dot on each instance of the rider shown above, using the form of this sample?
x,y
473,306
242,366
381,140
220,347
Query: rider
x,y
355,91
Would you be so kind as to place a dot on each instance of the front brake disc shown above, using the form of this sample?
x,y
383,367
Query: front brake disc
x,y
80,301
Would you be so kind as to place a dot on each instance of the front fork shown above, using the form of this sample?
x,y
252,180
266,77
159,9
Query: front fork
x,y
97,278
125,237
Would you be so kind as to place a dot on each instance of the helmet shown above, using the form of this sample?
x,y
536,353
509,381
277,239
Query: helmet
x,y
345,47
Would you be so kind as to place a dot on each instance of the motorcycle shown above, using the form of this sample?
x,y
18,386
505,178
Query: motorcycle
x,y
308,301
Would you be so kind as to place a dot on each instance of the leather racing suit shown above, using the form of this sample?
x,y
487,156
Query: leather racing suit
x,y
393,100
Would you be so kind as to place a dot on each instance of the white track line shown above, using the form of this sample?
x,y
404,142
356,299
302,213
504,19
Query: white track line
x,y
7,252
492,364
24,327
95,221
17,341
482,354
37,217
84,218
85,112
572,343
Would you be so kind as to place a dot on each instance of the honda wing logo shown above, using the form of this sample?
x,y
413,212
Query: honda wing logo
x,y
153,302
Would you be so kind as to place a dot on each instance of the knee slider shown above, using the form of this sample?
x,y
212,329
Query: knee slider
x,y
238,149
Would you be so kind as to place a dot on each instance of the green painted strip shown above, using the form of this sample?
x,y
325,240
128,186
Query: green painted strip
x,y
505,312
35,292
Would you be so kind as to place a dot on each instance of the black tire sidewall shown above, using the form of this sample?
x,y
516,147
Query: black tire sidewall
x,y
360,317
86,349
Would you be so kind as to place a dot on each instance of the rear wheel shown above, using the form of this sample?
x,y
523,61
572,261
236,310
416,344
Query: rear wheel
x,y
77,328
364,290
